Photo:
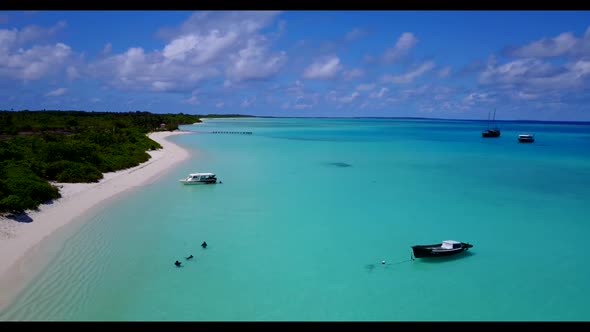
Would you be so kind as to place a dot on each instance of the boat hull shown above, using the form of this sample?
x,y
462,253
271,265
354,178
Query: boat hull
x,y
526,140
197,182
490,133
436,250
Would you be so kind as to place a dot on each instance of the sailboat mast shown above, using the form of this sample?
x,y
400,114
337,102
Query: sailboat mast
x,y
495,118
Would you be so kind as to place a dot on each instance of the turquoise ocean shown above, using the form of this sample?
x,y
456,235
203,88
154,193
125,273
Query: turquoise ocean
x,y
309,208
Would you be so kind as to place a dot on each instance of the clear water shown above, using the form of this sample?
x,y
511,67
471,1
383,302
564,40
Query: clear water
x,y
309,208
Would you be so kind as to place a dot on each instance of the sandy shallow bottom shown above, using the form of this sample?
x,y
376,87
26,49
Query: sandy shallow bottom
x,y
22,238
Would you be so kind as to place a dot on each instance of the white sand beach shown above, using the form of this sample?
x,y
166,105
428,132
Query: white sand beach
x,y
19,238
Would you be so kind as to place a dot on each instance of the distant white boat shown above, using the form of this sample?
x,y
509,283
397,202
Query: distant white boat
x,y
526,138
199,178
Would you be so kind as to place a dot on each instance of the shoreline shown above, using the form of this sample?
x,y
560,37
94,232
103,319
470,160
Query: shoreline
x,y
19,240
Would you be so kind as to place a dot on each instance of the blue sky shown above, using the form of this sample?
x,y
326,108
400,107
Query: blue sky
x,y
440,64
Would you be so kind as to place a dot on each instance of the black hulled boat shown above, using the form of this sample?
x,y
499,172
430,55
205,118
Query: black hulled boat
x,y
490,133
446,248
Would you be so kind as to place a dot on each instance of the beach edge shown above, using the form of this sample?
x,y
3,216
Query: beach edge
x,y
21,240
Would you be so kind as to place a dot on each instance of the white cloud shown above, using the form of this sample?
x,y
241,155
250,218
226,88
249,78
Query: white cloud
x,y
193,100
107,49
253,62
476,97
162,86
135,69
521,95
445,72
219,104
333,96
580,68
325,68
402,47
419,91
365,86
548,47
19,62
454,106
301,103
411,75
303,99
564,44
72,73
33,63
248,102
206,45
352,74
56,92
241,22
441,92
295,88
11,38
199,49
535,74
426,109
33,32
379,94
367,58
282,26
354,34
8,39
305,102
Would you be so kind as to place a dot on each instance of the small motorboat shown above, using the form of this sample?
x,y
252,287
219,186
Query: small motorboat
x,y
526,138
446,248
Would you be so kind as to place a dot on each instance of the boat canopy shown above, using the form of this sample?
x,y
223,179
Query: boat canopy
x,y
450,244
201,174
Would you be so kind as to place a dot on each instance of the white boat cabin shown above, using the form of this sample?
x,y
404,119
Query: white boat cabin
x,y
200,178
450,244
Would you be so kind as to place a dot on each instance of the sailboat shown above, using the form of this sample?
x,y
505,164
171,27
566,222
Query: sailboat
x,y
494,132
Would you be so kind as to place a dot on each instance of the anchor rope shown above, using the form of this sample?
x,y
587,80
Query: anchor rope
x,y
401,262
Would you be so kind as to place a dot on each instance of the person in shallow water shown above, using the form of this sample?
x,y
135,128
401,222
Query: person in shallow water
x,y
177,263
189,257
204,244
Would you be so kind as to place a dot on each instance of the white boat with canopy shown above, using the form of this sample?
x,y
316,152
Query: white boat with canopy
x,y
199,178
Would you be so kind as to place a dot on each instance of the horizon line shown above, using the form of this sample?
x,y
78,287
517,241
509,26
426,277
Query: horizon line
x,y
228,115
410,117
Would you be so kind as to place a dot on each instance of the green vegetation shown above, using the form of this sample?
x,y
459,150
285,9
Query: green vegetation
x,y
37,147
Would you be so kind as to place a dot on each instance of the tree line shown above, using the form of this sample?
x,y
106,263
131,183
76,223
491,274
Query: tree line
x,y
40,147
